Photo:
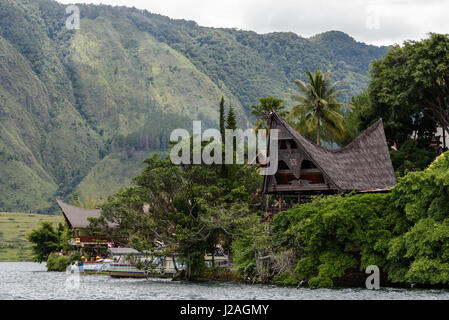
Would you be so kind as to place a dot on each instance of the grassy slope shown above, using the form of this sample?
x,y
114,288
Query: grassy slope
x,y
13,230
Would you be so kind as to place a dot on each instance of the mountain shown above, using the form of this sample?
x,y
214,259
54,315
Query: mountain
x,y
80,109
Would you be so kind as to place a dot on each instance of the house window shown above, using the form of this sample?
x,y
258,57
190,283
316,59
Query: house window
x,y
284,178
311,173
284,175
306,164
283,144
282,165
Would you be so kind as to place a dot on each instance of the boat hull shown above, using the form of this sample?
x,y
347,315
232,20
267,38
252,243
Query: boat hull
x,y
130,271
123,274
91,267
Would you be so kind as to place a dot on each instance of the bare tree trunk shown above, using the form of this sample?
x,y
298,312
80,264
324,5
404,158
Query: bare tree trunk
x,y
318,134
188,264
174,263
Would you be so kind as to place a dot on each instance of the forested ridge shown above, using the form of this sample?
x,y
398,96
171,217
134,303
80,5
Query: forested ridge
x,y
80,109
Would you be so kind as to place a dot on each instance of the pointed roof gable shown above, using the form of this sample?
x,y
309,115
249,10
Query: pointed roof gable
x,y
77,217
363,165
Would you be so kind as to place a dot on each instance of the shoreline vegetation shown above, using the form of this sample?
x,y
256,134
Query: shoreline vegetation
x,y
187,211
337,236
326,242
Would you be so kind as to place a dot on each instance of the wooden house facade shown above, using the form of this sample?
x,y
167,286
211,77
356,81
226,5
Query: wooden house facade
x,y
77,220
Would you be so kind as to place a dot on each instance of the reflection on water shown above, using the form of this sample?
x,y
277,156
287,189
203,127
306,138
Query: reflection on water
x,y
25,280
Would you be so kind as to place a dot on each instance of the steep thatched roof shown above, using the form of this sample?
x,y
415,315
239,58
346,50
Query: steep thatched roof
x,y
363,165
76,217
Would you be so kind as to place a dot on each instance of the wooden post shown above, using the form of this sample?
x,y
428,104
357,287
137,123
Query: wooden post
x,y
299,198
266,204
280,202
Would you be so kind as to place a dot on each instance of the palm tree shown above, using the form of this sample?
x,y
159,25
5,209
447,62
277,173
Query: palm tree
x,y
318,105
262,111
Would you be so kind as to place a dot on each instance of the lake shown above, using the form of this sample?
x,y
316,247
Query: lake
x,y
27,280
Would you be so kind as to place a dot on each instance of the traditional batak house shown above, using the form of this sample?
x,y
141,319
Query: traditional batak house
x,y
77,221
305,168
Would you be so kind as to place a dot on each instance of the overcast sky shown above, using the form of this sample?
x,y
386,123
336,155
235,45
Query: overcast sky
x,y
379,22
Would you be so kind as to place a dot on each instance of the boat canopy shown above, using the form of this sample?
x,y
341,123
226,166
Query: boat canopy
x,y
123,251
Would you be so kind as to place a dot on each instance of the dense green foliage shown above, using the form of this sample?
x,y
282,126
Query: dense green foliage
x,y
421,254
409,91
184,210
336,234
410,157
78,107
404,233
189,209
409,88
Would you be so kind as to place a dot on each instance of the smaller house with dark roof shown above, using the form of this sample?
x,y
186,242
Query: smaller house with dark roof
x,y
77,219
305,168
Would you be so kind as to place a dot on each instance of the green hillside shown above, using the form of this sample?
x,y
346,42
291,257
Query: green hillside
x,y
74,102
112,173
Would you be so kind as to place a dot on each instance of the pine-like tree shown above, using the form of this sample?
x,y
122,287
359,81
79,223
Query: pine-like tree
x,y
222,132
231,121
222,117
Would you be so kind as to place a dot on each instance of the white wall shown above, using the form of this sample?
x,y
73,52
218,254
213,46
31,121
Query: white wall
x,y
440,133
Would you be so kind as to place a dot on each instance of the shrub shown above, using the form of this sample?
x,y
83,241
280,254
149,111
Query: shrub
x,y
57,262
286,279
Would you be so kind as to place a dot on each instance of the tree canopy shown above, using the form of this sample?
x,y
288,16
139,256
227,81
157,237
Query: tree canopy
x,y
47,239
410,90
184,210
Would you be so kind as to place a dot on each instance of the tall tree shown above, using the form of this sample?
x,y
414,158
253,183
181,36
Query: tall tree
x,y
231,120
222,117
318,105
410,90
222,123
263,110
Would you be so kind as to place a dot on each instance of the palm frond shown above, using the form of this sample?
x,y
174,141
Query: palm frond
x,y
318,104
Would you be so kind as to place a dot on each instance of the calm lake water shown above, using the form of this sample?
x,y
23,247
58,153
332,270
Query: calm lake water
x,y
26,280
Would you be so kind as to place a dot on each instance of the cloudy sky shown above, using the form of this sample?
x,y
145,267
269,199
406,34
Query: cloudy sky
x,y
371,21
